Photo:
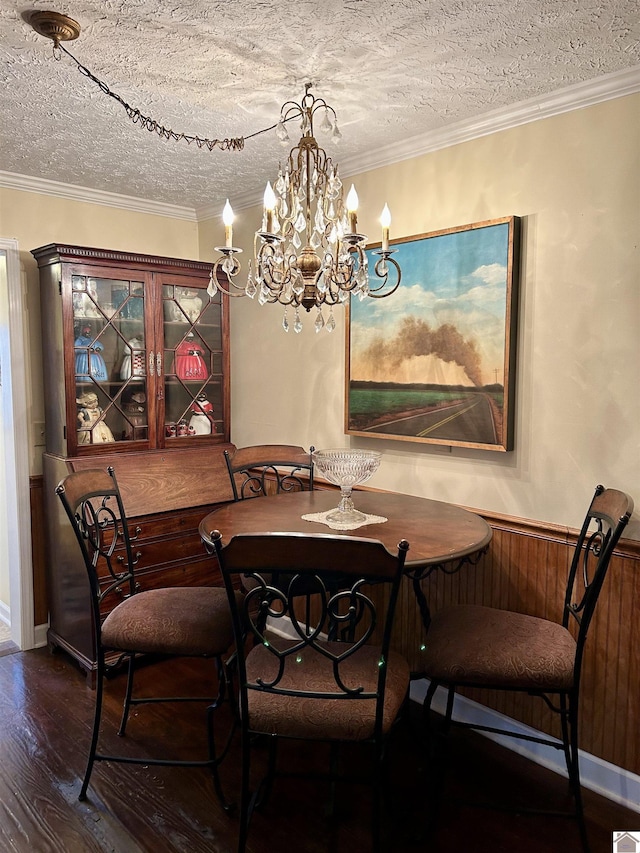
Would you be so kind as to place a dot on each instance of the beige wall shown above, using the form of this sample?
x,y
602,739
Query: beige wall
x,y
35,220
575,181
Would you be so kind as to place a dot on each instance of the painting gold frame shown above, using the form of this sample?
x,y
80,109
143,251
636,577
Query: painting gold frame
x,y
435,362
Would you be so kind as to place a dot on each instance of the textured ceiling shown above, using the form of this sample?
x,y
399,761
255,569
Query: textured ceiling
x,y
216,68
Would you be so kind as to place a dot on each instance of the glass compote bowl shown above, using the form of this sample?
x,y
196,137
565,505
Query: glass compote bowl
x,y
346,467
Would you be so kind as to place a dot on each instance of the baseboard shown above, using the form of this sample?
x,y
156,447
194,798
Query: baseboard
x,y
606,779
40,636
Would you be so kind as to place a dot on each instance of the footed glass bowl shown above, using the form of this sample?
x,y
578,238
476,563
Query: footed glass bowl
x,y
346,468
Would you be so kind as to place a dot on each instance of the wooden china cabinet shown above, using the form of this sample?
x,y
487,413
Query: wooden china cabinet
x,y
136,375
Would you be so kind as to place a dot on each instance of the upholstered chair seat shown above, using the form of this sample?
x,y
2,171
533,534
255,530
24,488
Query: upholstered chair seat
x,y
486,646
325,719
186,621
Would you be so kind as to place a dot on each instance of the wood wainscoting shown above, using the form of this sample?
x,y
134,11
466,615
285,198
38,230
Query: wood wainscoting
x,y
524,569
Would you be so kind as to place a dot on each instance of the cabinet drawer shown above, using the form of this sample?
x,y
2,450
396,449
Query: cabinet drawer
x,y
153,554
155,527
201,572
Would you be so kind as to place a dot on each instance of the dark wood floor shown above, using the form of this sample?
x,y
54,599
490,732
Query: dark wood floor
x,y
45,717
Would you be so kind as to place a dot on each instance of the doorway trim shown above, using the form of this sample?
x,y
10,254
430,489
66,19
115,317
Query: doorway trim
x,y
14,413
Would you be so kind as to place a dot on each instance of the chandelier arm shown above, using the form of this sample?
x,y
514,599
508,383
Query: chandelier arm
x,y
278,293
382,271
223,272
308,106
278,283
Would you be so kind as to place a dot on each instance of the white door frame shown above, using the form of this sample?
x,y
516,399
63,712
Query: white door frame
x,y
15,417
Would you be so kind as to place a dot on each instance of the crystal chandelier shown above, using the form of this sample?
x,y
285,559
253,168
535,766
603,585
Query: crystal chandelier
x,y
307,252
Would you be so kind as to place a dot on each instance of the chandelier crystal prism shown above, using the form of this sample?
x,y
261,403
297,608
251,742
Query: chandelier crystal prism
x,y
308,253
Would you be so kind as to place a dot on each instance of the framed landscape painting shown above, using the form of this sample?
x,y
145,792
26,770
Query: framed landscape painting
x,y
435,362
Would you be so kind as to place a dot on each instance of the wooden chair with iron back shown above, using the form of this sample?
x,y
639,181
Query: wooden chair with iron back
x,y
476,646
294,681
177,621
266,469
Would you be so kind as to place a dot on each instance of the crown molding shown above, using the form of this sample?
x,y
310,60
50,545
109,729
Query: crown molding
x,y
44,186
605,88
575,97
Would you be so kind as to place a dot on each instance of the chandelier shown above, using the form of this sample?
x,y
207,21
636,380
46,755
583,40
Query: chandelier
x,y
308,252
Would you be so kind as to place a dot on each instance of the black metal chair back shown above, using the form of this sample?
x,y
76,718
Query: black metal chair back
x,y
606,519
269,469
294,680
94,506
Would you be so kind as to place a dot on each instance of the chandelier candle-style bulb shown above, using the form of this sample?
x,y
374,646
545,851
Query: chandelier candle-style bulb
x,y
227,218
269,206
352,209
385,221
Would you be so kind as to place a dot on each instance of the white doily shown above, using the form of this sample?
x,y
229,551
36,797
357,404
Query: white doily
x,y
321,518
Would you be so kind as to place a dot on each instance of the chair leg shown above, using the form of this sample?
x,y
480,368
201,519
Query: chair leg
x,y
428,699
126,707
380,785
265,787
570,741
245,794
451,695
426,711
96,728
439,756
216,759
566,740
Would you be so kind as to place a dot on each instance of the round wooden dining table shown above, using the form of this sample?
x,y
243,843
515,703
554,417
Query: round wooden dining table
x,y
440,535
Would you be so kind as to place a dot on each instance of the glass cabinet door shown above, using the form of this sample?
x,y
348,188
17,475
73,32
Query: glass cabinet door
x,y
110,355
193,363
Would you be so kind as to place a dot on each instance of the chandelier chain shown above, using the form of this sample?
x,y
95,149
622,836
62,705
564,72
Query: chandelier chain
x,y
153,126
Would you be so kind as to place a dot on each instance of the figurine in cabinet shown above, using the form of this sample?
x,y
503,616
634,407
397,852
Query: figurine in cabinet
x,y
183,428
187,301
133,361
91,428
202,416
189,361
84,301
88,359
136,415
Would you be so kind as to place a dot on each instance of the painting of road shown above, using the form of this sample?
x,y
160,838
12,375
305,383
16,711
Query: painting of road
x,y
435,361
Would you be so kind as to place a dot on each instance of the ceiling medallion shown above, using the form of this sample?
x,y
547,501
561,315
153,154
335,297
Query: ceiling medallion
x,y
55,26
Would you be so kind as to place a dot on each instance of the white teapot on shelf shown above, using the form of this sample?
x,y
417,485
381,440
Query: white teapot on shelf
x,y
133,360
